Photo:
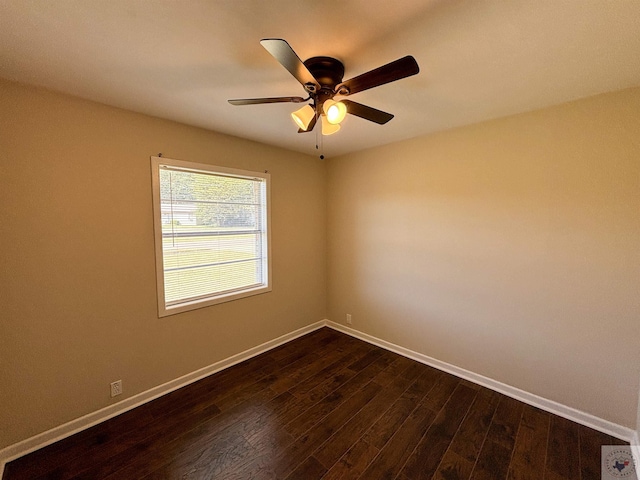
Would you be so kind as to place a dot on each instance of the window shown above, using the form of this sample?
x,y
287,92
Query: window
x,y
211,234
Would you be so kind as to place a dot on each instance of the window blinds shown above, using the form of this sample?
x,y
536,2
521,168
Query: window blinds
x,y
214,234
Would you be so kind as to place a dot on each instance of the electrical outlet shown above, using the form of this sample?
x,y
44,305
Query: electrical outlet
x,y
116,388
349,319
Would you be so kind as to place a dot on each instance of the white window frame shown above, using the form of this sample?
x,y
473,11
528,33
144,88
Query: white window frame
x,y
163,309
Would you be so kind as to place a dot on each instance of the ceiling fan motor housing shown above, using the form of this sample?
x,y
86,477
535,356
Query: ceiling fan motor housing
x,y
328,72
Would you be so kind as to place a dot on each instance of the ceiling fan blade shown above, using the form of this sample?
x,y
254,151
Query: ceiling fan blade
x,y
256,101
368,113
311,126
283,52
401,68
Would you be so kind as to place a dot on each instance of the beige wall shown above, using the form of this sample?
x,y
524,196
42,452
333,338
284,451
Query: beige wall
x,y
77,276
508,248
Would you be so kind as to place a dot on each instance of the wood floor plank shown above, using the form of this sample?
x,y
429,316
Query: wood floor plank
x,y
530,449
334,374
453,467
253,435
208,443
473,430
229,381
306,368
329,371
139,453
310,469
288,460
325,405
367,359
338,444
591,443
493,461
401,366
227,449
268,442
212,451
382,430
425,459
392,457
309,344
495,455
563,454
352,463
124,428
306,444
334,389
506,421
441,391
306,420
121,450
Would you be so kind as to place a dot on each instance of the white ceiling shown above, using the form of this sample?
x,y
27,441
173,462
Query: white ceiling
x,y
182,60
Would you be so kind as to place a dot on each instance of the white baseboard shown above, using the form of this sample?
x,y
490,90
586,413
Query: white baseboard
x,y
58,433
635,449
583,418
43,439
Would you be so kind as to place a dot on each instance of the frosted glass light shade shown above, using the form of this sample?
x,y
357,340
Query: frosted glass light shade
x,y
303,117
335,111
328,128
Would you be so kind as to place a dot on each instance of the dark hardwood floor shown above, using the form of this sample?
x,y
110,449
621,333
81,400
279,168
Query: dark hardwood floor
x,y
326,406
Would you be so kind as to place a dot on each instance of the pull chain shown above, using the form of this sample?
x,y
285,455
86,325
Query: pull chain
x,y
319,145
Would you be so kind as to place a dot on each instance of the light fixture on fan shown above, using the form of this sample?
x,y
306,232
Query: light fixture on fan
x,y
335,111
304,116
329,128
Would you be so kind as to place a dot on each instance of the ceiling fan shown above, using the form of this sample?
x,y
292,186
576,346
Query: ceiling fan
x,y
321,78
